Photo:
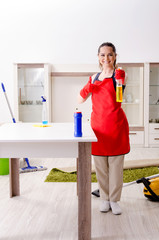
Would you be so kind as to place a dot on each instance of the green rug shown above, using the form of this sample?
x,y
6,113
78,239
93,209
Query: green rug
x,y
56,175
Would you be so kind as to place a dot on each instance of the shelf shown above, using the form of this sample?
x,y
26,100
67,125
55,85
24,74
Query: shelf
x,y
132,84
126,103
24,86
136,128
28,105
153,123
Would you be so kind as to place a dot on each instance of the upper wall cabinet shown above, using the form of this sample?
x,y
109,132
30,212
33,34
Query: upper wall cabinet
x,y
32,82
133,103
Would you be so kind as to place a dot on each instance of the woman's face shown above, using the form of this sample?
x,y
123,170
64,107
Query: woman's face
x,y
106,57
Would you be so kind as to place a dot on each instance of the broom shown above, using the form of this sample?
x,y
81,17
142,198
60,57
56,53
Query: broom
x,y
28,168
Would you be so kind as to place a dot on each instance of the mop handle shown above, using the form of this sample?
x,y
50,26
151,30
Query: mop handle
x,y
130,183
153,176
3,88
26,159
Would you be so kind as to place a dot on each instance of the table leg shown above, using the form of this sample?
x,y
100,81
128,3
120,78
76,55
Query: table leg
x,y
14,176
84,191
77,173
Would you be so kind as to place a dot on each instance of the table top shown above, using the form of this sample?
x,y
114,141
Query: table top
x,y
55,132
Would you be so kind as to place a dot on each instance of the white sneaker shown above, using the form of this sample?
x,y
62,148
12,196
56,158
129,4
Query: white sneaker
x,y
104,206
115,208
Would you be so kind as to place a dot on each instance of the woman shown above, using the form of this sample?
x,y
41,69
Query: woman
x,y
110,125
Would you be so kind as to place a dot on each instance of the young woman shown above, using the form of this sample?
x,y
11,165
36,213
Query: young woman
x,y
110,125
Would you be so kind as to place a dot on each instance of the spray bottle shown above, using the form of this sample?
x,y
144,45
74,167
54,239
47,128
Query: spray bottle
x,y
119,91
78,124
44,111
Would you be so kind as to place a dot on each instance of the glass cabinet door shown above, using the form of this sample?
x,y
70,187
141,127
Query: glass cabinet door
x,y
154,93
31,86
133,93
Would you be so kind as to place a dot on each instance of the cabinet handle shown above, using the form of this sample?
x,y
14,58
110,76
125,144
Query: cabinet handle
x,y
156,128
156,138
132,133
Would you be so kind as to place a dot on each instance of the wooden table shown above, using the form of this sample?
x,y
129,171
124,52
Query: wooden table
x,y
22,140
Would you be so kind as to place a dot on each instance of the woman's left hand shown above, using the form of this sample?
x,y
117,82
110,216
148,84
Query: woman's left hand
x,y
120,74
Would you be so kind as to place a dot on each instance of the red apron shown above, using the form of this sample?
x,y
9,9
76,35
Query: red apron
x,y
108,119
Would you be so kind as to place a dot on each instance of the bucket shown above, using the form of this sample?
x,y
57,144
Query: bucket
x,y
4,166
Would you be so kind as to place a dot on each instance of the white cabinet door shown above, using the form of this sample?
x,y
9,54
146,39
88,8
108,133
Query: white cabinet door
x,y
136,138
154,135
133,93
32,82
154,93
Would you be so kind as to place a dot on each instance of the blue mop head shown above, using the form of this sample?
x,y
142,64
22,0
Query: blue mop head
x,y
32,169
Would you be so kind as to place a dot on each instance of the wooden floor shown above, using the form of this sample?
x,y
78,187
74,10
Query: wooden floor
x,y
48,211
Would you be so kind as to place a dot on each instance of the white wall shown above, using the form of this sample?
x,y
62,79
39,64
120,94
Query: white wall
x,y
69,32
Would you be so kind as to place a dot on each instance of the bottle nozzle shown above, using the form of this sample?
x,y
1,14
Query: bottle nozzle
x,y
43,99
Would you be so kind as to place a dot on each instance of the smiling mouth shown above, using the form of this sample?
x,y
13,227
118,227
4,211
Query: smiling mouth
x,y
106,62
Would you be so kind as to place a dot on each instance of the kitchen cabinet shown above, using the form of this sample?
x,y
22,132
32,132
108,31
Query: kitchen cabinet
x,y
153,116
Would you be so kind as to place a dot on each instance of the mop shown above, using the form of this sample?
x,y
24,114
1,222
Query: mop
x,y
28,168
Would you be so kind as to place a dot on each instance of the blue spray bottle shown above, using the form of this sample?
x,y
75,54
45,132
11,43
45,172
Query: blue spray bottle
x,y
78,124
44,111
